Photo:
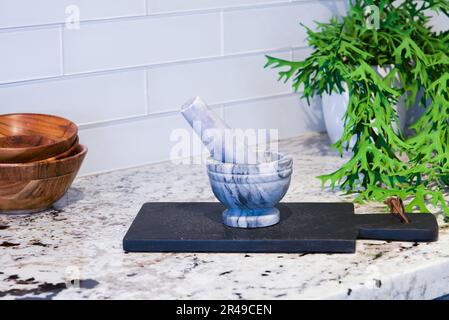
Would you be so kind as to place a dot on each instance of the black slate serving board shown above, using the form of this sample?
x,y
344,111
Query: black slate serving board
x,y
304,227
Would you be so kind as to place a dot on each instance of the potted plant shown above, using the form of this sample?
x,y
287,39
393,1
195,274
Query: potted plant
x,y
347,58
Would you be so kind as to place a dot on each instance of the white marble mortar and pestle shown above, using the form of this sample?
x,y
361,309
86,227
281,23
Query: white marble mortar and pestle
x,y
250,184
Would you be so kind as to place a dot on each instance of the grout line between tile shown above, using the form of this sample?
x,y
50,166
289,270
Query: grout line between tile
x,y
61,50
171,112
150,66
147,92
148,15
146,7
222,34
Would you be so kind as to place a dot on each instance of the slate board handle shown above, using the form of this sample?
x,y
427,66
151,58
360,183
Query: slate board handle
x,y
422,227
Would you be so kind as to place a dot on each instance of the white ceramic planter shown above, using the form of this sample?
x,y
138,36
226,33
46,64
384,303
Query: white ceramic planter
x,y
335,105
334,108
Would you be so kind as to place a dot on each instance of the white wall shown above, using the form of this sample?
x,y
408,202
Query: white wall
x,y
124,74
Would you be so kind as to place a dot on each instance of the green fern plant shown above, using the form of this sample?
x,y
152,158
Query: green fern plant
x,y
384,163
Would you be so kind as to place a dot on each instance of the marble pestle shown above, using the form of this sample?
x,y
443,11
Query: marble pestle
x,y
223,145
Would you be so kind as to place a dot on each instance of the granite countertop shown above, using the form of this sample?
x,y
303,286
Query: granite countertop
x,y
81,238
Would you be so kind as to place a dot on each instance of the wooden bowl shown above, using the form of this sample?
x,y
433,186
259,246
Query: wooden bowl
x,y
27,137
35,187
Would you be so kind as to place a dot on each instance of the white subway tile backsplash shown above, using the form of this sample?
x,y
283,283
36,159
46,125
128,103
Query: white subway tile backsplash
x,y
29,54
118,78
132,143
99,46
216,81
17,13
163,6
81,99
274,27
290,115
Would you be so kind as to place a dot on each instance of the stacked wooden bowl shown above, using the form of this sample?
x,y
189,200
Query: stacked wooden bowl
x,y
40,156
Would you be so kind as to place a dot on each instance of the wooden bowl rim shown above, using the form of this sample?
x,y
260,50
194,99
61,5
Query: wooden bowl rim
x,y
70,124
82,152
75,145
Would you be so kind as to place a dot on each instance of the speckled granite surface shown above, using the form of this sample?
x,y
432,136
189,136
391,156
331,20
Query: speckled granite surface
x,y
81,239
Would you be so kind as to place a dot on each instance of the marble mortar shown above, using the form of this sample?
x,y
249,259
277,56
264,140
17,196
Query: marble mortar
x,y
251,191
